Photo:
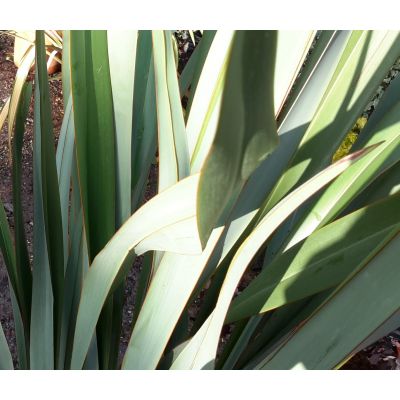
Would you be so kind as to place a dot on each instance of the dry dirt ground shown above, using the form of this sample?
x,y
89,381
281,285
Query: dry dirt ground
x,y
381,355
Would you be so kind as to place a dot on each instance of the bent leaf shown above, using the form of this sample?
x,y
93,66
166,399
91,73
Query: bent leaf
x,y
246,131
201,350
112,261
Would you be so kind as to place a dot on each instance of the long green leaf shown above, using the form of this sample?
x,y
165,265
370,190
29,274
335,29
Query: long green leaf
x,y
122,50
172,142
20,79
342,328
20,333
291,51
95,143
191,74
278,326
73,275
323,260
50,196
77,268
386,184
64,157
144,142
24,288
203,117
144,126
4,113
42,326
318,51
94,134
66,67
246,131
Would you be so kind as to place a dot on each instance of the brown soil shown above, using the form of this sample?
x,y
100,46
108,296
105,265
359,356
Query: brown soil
x,y
381,355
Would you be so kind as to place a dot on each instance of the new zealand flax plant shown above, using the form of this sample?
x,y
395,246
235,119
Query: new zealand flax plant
x,y
245,178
